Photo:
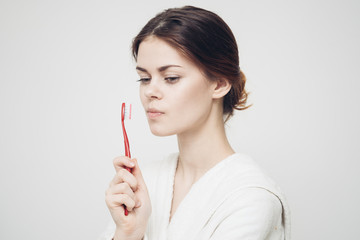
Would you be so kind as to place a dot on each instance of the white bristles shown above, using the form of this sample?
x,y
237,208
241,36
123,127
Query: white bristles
x,y
128,111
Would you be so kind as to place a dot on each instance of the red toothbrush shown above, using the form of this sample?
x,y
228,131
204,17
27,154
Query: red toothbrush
x,y
124,114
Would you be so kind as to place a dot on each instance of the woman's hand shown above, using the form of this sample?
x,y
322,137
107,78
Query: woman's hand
x,y
128,189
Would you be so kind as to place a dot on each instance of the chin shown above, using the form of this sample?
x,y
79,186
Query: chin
x,y
161,131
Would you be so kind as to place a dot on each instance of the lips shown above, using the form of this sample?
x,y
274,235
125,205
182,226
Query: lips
x,y
153,113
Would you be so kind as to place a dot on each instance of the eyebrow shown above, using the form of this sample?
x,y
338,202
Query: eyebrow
x,y
160,69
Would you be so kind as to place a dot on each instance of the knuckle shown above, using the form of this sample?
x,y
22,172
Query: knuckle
x,y
109,191
123,172
118,160
129,202
123,198
112,181
122,187
108,200
119,174
131,205
132,202
133,182
115,160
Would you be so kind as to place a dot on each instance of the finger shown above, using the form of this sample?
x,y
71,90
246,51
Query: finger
x,y
136,172
122,162
122,188
125,176
122,199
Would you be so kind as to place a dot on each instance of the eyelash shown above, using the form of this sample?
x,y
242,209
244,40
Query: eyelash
x,y
170,80
143,80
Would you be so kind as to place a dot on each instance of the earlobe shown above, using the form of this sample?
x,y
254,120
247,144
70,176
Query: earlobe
x,y
222,87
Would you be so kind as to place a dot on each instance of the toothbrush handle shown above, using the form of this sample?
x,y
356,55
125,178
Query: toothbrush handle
x,y
126,144
127,153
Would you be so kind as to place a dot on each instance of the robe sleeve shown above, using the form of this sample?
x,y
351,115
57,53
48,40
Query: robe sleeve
x,y
108,234
252,214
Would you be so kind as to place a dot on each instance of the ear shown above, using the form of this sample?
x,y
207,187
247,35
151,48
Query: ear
x,y
221,88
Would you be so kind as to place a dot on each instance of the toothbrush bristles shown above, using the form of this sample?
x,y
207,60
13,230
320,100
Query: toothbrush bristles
x,y
128,111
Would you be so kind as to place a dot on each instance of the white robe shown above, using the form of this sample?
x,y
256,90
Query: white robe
x,y
233,200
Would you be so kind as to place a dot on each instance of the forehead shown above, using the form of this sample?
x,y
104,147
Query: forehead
x,y
154,51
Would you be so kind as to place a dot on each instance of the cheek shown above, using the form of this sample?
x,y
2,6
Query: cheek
x,y
197,94
192,102
141,95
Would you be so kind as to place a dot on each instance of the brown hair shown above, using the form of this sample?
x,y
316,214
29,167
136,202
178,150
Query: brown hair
x,y
204,38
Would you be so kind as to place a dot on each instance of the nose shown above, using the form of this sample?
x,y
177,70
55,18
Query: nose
x,y
152,90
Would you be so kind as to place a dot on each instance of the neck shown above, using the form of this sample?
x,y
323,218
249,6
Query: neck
x,y
201,149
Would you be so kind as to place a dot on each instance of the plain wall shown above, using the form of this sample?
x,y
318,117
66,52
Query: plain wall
x,y
66,66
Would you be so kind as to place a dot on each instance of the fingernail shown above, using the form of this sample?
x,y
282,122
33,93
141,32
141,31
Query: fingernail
x,y
132,164
138,204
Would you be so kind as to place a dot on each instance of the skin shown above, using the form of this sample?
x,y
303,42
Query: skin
x,y
178,99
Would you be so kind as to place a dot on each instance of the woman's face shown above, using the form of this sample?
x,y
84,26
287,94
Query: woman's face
x,y
175,94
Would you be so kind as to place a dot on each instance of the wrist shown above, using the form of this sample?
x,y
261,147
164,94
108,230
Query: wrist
x,y
124,238
119,235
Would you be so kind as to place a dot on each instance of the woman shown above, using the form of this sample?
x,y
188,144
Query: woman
x,y
190,81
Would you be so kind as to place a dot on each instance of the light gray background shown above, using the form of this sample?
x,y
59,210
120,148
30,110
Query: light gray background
x,y
65,68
